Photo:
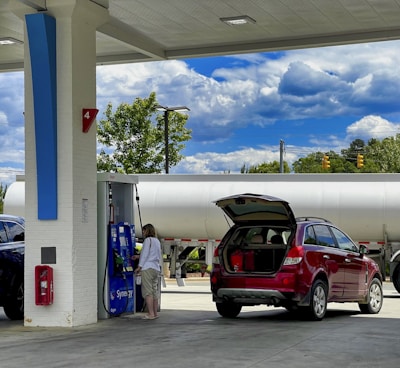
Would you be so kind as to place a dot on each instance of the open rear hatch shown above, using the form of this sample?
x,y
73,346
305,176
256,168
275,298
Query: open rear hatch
x,y
263,227
247,208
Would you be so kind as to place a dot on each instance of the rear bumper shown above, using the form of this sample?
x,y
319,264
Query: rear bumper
x,y
249,296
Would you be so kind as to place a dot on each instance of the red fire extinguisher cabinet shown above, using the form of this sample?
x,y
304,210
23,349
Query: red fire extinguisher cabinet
x,y
44,293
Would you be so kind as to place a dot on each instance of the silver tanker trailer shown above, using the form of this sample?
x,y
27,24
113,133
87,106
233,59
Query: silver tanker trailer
x,y
366,206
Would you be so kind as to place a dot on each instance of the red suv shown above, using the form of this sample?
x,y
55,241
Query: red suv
x,y
270,257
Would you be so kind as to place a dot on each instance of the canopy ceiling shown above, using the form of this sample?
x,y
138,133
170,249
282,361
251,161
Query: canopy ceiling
x,y
146,30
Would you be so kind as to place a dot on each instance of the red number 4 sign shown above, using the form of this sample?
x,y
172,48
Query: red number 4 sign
x,y
88,116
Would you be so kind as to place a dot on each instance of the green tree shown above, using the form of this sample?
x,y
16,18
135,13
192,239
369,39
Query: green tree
x,y
339,164
379,157
3,191
265,167
357,147
312,163
135,136
383,156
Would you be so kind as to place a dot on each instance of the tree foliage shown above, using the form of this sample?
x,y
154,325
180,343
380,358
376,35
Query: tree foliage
x,y
379,157
3,190
386,154
133,137
265,167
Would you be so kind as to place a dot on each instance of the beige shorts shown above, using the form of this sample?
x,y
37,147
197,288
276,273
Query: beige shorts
x,y
150,282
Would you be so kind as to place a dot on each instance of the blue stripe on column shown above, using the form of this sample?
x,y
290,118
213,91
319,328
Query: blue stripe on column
x,y
41,30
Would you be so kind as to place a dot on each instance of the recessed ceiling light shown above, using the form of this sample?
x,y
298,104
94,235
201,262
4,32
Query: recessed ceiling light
x,y
237,21
9,41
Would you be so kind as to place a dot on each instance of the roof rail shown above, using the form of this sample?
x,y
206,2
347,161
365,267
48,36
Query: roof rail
x,y
312,218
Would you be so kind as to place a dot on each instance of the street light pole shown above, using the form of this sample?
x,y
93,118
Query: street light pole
x,y
166,140
167,110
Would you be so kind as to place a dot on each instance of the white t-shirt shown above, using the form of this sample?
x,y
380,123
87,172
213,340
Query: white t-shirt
x,y
150,255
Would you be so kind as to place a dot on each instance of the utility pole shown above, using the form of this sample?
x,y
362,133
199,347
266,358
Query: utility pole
x,y
281,149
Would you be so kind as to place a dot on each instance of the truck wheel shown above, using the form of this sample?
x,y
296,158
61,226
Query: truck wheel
x,y
14,303
228,309
375,298
318,301
396,278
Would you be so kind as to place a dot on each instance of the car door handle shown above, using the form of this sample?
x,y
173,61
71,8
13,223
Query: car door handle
x,y
347,260
325,256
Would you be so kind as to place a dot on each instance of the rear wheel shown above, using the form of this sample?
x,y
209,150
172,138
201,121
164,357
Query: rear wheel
x,y
318,301
396,278
375,298
228,309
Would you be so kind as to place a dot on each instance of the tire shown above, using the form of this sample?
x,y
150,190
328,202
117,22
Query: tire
x,y
318,301
14,303
374,297
12,282
228,309
396,278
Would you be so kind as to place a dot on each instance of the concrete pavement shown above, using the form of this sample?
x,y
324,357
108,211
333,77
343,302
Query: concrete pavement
x,y
190,333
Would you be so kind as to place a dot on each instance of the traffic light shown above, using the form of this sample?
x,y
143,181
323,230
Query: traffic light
x,y
360,161
326,164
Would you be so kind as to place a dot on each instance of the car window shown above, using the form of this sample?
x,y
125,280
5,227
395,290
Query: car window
x,y
16,231
259,235
252,233
309,236
324,236
278,236
286,235
343,241
273,237
3,234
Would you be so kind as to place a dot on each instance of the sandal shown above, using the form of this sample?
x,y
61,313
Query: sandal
x,y
148,317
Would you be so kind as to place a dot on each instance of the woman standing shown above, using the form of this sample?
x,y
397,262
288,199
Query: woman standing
x,y
150,266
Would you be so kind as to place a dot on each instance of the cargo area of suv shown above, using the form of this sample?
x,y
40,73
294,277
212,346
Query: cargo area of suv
x,y
256,249
259,241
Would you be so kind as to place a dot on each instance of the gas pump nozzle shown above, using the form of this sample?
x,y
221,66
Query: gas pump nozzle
x,y
118,262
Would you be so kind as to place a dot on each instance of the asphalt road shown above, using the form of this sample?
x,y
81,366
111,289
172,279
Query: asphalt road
x,y
190,333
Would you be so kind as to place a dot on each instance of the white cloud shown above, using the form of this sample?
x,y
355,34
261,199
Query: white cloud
x,y
8,174
3,120
257,89
372,126
359,83
211,162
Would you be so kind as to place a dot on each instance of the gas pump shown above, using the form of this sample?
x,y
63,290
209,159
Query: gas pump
x,y
120,268
116,244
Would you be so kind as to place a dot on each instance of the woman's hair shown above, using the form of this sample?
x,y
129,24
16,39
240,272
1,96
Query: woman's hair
x,y
150,231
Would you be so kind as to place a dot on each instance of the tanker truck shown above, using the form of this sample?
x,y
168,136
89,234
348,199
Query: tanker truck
x,y
182,208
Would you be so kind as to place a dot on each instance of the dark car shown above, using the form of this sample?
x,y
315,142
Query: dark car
x,y
270,257
12,248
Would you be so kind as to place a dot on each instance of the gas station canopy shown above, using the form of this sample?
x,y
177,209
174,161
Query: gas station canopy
x,y
149,30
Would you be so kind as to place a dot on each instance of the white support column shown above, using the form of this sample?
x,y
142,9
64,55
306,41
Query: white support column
x,y
74,232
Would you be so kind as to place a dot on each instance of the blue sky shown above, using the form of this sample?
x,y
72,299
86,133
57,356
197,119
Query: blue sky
x,y
242,106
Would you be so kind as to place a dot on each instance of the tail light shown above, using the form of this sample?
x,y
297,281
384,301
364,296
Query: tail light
x,y
216,256
294,256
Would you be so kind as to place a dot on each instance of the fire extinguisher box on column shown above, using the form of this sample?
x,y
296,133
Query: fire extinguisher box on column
x,y
44,292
